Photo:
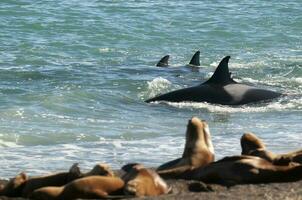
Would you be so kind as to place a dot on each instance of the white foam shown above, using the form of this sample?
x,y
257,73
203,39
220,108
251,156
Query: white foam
x,y
246,65
298,80
159,82
273,81
157,86
20,113
81,136
8,144
104,50
117,144
272,106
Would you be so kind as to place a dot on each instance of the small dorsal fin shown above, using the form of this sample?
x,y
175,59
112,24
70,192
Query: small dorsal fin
x,y
195,59
222,74
164,61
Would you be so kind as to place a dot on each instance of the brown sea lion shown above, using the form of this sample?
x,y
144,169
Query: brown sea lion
x,y
252,145
245,169
14,187
141,181
91,187
57,179
101,170
198,151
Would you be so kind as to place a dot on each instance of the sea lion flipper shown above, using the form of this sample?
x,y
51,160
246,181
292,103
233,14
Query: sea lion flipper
x,y
176,172
169,164
75,169
100,193
282,160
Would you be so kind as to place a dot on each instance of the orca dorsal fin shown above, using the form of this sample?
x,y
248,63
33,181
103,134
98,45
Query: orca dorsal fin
x,y
164,61
195,59
222,74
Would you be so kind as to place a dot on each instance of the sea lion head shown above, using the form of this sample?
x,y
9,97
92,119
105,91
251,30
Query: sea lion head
x,y
14,186
145,182
101,170
128,167
74,172
198,141
250,142
252,145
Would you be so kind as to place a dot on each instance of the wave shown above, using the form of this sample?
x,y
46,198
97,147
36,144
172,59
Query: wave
x,y
262,107
4,144
155,87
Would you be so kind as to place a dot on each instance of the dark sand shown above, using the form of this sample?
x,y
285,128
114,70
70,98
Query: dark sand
x,y
187,190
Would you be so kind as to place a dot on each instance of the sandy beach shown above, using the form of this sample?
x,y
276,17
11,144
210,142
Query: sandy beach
x,y
184,190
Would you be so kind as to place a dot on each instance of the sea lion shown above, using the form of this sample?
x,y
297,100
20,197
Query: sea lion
x,y
101,170
141,181
14,187
91,187
252,145
198,151
128,167
57,179
244,170
23,186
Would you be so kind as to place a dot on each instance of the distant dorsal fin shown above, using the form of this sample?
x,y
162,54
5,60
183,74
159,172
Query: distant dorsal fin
x,y
195,59
164,61
222,74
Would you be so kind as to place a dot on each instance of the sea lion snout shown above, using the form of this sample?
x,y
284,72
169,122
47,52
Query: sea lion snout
x,y
14,187
198,151
195,122
250,142
101,170
195,128
198,134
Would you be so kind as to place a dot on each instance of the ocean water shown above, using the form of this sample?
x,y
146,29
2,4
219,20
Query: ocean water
x,y
74,76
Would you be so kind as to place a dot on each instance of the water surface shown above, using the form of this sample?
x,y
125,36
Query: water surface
x,y
74,76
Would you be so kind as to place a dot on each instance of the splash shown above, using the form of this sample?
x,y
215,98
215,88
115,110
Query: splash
x,y
8,144
157,86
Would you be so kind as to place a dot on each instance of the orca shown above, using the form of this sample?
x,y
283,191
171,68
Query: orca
x,y
219,89
194,62
164,61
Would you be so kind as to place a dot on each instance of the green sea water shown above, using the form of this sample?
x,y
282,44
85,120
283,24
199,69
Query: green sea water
x,y
74,76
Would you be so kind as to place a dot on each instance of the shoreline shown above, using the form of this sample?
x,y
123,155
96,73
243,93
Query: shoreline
x,y
184,190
